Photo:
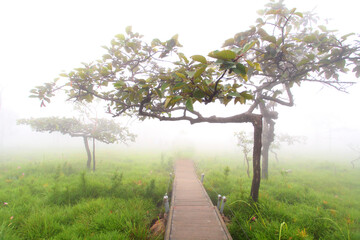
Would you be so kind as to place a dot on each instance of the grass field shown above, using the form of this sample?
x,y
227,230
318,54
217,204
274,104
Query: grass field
x,y
52,197
315,200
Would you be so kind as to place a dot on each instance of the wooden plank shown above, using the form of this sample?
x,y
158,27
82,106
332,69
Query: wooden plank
x,y
192,214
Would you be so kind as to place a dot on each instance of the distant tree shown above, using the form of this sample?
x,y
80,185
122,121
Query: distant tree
x,y
103,130
244,141
156,80
287,139
356,149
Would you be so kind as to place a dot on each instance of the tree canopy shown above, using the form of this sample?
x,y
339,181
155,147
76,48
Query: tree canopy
x,y
292,48
103,130
258,67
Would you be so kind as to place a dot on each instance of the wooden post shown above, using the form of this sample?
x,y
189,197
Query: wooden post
x,y
223,204
166,203
219,202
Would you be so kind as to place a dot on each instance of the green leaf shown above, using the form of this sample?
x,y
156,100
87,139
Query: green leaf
x,y
303,62
167,102
63,75
271,39
158,92
181,75
179,85
227,99
246,95
258,67
240,99
310,38
128,30
199,72
340,64
189,105
272,11
119,84
241,68
208,81
120,36
248,46
323,28
198,94
229,42
251,64
164,86
347,35
199,58
176,99
224,55
155,42
299,14
262,33
182,56
190,73
234,94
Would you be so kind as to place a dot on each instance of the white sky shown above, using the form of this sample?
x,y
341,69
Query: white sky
x,y
40,38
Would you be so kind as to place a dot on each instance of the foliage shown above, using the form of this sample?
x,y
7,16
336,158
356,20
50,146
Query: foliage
x,y
133,78
156,80
103,130
319,200
47,202
291,48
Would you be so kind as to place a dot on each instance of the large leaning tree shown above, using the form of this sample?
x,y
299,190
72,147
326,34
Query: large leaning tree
x,y
291,49
102,130
156,80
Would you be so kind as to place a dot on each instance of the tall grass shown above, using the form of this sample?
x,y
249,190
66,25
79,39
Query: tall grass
x,y
316,200
57,199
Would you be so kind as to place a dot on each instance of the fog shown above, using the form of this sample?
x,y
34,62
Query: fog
x,y
40,39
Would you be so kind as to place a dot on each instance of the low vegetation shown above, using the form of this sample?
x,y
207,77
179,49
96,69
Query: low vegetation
x,y
52,197
302,199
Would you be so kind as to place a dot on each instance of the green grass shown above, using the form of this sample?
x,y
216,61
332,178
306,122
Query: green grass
x,y
52,197
317,200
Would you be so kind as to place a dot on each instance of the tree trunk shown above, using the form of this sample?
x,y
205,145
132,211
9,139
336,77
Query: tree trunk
x,y
265,160
268,136
93,154
88,163
247,164
255,186
255,119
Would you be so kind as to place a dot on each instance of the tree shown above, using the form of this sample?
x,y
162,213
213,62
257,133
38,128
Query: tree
x,y
103,130
244,141
291,49
356,149
157,81
285,138
145,80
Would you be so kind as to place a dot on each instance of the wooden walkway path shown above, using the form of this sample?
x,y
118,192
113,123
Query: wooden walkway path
x,y
192,215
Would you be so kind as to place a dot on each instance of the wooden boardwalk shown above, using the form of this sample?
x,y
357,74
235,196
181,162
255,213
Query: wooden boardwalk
x,y
192,215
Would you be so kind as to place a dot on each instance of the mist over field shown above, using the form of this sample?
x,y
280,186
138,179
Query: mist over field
x,y
98,181
326,117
